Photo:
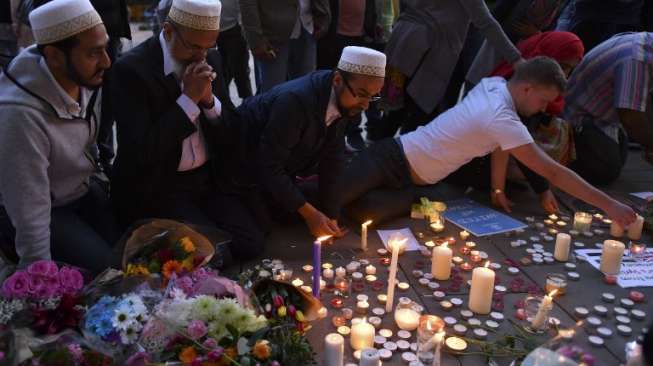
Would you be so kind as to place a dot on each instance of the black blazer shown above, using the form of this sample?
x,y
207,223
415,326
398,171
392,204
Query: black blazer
x,y
287,133
152,126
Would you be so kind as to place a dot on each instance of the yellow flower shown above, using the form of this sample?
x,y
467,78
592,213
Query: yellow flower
x,y
282,311
171,267
299,316
262,350
187,244
188,355
137,270
187,264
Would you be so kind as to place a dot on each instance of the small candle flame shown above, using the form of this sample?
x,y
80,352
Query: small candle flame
x,y
487,264
367,223
397,244
324,238
553,293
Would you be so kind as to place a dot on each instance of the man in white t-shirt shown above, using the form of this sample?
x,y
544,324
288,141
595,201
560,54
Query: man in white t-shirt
x,y
380,183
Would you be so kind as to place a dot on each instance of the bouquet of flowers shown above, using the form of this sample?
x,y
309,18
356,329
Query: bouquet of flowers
x,y
116,320
165,247
68,354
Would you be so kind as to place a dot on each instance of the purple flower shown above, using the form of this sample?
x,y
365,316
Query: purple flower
x,y
196,329
17,285
210,343
43,268
76,351
185,284
588,359
71,280
215,354
275,363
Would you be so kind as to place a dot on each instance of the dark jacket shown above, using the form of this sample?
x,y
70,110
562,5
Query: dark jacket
x,y
152,126
287,133
115,17
369,22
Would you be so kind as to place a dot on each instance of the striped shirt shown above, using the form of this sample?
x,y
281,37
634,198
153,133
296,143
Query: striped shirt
x,y
615,74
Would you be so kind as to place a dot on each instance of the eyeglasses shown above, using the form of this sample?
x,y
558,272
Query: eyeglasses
x,y
373,98
188,46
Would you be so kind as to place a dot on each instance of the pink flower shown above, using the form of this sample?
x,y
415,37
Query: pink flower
x,y
43,268
185,284
70,279
196,329
43,288
17,285
76,351
210,343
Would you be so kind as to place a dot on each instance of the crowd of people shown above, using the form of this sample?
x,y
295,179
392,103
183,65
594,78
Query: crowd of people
x,y
450,91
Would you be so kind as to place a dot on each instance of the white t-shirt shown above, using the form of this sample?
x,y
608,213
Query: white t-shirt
x,y
484,120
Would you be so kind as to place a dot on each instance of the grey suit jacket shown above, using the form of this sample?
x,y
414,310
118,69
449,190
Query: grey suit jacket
x,y
274,20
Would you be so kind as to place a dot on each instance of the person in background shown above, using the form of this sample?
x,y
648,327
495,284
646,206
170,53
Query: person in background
x,y
8,39
282,37
53,205
607,102
552,134
233,49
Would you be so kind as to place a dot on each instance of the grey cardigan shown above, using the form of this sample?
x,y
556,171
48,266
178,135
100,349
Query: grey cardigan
x,y
427,39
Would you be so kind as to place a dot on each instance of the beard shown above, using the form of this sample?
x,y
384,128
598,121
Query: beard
x,y
73,74
345,112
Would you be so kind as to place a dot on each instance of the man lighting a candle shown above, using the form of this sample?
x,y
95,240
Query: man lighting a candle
x,y
381,182
297,129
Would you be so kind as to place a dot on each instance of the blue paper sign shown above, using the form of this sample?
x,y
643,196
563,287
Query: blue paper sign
x,y
478,219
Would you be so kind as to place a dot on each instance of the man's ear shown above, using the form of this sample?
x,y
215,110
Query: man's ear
x,y
54,56
167,31
337,79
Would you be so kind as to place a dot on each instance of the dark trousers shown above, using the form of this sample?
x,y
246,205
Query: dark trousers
x,y
405,120
377,183
599,159
193,198
592,33
82,233
235,60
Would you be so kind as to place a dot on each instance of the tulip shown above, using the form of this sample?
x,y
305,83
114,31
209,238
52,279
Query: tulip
x,y
281,311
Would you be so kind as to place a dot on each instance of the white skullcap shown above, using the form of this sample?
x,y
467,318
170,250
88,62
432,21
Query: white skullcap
x,y
196,14
363,61
60,19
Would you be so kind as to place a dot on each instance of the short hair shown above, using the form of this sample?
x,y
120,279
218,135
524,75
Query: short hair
x,y
543,71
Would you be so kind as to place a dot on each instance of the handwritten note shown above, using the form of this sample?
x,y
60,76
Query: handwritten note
x,y
411,243
635,272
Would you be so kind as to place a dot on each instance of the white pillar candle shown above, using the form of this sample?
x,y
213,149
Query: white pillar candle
x,y
611,255
543,311
480,295
362,335
370,357
334,347
441,262
561,252
635,229
395,245
364,234
616,230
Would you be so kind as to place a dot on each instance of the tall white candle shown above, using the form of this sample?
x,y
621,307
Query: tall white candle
x,y
616,230
364,234
334,347
561,252
543,311
611,255
635,229
362,335
480,294
395,245
441,262
438,338
370,357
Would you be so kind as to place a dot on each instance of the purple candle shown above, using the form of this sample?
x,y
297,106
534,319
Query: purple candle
x,y
317,264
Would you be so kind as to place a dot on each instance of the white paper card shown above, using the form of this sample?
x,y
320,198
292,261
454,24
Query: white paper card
x,y
411,243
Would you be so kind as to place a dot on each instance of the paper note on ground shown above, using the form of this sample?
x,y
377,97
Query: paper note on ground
x,y
634,272
411,243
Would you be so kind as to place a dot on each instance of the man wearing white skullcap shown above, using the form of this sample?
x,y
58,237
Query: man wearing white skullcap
x,y
53,206
170,102
297,129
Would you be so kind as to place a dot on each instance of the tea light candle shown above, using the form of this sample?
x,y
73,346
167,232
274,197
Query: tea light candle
x,y
403,286
441,262
466,267
553,217
362,307
556,281
375,321
561,252
635,229
337,303
480,333
582,221
464,235
334,346
338,321
384,261
616,230
545,306
370,270
370,357
548,222
297,282
352,267
370,278
306,289
636,250
446,305
357,276
482,289
328,274
364,234
347,313
406,318
344,330
611,256
456,344
362,335
382,251
382,298
341,272
437,226
475,257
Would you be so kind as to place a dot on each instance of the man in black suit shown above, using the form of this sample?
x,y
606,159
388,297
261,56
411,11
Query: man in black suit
x,y
297,128
172,158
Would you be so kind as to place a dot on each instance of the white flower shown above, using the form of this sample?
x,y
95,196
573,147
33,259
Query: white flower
x,y
177,294
122,319
129,335
175,312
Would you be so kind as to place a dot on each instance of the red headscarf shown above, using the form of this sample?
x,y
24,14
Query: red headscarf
x,y
560,46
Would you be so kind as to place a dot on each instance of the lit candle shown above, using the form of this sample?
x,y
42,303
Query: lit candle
x,y
364,234
370,357
362,335
334,345
553,217
337,303
480,295
464,235
297,282
406,318
430,335
635,229
328,273
341,272
561,252
441,262
362,307
637,249
437,226
545,306
370,270
396,245
317,264
470,244
582,221
611,256
466,267
616,230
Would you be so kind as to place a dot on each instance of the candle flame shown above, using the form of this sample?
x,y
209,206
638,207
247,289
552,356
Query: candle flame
x,y
324,238
367,223
487,264
553,293
428,326
397,243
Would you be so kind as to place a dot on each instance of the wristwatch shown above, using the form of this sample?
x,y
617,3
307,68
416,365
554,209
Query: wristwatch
x,y
497,191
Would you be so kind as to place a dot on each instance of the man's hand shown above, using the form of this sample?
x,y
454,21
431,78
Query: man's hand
x,y
318,223
197,81
548,202
264,52
620,213
500,200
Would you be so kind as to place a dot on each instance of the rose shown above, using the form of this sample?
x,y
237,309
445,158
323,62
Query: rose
x,y
210,343
70,280
43,288
17,285
43,268
196,329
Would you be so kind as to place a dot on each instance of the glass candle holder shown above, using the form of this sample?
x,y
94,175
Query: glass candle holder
x,y
636,250
430,334
582,221
532,310
342,286
406,315
556,281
